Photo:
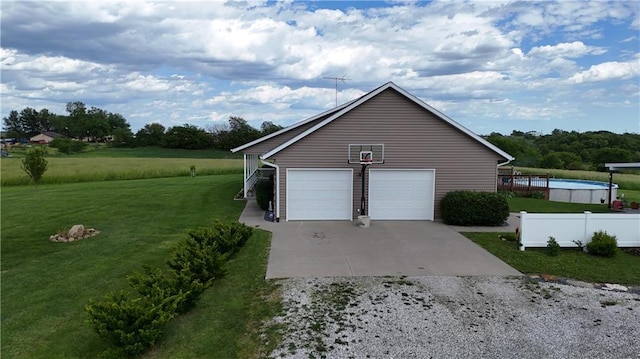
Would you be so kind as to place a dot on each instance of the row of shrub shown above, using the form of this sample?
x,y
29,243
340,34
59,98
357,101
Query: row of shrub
x,y
467,208
133,322
602,244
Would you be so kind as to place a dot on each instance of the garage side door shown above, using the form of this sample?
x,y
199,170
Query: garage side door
x,y
401,194
319,194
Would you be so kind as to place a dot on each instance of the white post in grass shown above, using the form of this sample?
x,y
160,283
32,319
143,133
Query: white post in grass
x,y
523,229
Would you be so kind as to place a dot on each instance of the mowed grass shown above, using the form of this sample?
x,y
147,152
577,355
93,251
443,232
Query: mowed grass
x,y
155,152
93,169
46,285
624,268
534,205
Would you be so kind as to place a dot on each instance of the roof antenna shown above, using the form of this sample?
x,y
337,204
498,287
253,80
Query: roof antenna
x,y
343,79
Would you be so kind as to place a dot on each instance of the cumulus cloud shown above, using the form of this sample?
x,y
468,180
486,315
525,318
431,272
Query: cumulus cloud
x,y
608,71
571,50
202,61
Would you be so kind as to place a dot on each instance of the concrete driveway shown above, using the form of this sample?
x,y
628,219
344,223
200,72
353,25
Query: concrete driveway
x,y
314,249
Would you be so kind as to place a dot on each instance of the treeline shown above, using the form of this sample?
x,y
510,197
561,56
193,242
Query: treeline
x,y
221,136
93,124
568,149
97,125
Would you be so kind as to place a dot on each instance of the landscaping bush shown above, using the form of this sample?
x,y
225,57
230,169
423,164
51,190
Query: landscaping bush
x,y
198,259
68,146
264,194
132,325
553,247
602,244
156,286
231,236
466,208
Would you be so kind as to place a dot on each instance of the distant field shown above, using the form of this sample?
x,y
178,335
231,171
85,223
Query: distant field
x,y
143,152
624,180
91,169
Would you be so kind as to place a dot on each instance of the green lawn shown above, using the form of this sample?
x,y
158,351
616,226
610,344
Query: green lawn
x,y
101,150
534,205
624,268
93,169
46,285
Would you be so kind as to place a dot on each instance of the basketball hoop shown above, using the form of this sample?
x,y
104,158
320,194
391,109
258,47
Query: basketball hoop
x,y
366,157
365,154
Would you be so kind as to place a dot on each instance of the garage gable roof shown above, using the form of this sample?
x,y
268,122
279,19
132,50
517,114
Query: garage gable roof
x,y
292,127
353,104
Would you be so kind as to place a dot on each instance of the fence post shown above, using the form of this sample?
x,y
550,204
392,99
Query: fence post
x,y
587,219
523,226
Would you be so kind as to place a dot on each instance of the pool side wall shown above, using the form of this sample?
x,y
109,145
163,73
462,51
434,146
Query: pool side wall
x,y
593,196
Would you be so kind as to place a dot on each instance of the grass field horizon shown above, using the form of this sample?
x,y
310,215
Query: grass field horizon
x,y
108,164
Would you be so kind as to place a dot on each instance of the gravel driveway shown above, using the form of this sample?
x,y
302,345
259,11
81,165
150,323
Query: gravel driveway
x,y
455,317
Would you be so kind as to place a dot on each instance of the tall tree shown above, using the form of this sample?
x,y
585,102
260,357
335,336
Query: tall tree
x,y
13,126
268,127
152,134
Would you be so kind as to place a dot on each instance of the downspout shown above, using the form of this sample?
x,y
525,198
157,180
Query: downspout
x,y
498,166
277,184
244,167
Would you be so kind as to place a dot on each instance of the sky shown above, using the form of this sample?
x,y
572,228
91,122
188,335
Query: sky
x,y
492,66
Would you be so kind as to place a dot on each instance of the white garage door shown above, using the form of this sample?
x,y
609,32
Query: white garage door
x,y
319,194
401,194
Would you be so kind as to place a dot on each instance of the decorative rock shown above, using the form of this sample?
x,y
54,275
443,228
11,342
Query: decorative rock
x,y
76,231
549,277
614,287
577,283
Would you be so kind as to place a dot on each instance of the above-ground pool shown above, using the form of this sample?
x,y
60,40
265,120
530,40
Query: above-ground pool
x,y
577,191
568,190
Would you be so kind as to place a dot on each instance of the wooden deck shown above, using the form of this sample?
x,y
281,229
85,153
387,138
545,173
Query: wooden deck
x,y
524,184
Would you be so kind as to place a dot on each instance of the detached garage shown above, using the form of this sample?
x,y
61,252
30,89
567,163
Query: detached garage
x,y
411,154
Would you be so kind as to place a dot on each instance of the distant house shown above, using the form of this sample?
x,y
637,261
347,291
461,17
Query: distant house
x,y
44,138
410,153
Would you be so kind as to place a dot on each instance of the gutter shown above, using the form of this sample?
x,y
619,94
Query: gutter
x,y
277,185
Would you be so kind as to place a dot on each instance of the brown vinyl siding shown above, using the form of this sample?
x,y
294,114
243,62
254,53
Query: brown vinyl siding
x,y
413,138
276,141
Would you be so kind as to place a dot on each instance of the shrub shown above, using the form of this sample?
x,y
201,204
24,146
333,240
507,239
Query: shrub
x,y
156,286
264,194
132,325
68,146
553,248
198,259
602,244
466,208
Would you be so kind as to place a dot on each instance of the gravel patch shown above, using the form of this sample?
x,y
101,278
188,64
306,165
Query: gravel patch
x,y
454,317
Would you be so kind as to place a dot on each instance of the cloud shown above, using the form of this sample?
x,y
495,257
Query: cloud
x,y
608,71
202,61
571,50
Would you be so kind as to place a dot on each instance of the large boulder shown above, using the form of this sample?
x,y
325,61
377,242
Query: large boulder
x,y
76,232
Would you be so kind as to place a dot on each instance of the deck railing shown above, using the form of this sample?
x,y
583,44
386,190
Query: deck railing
x,y
526,184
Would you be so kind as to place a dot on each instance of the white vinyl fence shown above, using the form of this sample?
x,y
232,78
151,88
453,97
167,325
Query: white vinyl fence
x,y
536,228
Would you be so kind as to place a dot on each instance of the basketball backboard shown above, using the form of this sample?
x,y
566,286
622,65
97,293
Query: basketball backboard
x,y
366,153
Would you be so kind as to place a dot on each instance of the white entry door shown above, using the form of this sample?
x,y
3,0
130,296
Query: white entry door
x,y
319,194
398,194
